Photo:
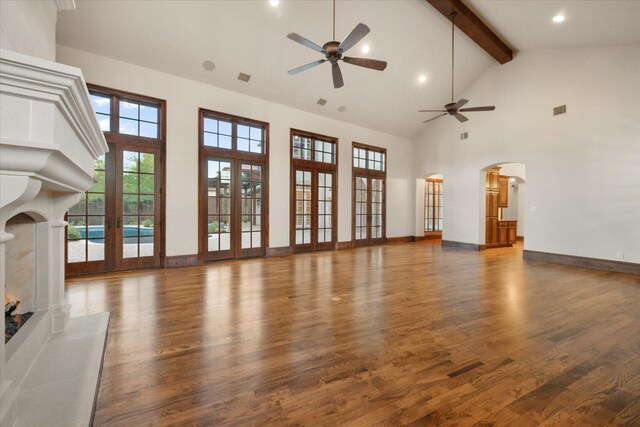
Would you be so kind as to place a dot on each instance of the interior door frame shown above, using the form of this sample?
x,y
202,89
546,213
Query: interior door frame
x,y
114,140
370,174
236,158
315,168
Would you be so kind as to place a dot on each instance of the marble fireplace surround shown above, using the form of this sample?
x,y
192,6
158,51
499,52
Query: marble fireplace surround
x,y
49,139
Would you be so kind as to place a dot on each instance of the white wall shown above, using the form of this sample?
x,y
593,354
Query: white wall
x,y
522,200
184,97
29,27
583,167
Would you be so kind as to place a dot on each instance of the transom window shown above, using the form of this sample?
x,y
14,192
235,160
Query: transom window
x,y
233,134
307,147
126,116
368,158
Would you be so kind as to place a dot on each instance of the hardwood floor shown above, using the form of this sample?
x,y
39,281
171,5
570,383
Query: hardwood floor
x,y
420,335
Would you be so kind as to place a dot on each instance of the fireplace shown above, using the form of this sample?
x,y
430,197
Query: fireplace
x,y
49,140
20,273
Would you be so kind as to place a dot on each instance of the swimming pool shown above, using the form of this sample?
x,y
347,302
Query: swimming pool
x,y
95,233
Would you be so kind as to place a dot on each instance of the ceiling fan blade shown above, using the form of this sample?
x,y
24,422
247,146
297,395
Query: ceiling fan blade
x,y
488,108
306,67
433,118
337,76
432,111
461,102
354,37
299,39
373,64
460,117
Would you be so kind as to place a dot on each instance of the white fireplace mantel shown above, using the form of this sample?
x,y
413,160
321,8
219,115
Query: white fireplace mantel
x,y
49,140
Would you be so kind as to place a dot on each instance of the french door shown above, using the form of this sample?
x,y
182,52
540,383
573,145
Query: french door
x,y
368,209
116,224
234,211
314,219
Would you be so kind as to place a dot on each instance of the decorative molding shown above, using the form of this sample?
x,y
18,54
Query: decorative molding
x,y
578,261
461,245
280,251
65,5
54,83
181,261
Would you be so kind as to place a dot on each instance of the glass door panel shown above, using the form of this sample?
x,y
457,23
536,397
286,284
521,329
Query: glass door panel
x,y
138,216
361,208
303,206
87,232
219,211
251,232
325,208
376,208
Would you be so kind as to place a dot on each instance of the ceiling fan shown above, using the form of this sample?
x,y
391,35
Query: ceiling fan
x,y
333,52
454,108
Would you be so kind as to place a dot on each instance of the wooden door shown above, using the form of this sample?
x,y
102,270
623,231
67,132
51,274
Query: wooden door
x,y
138,182
249,217
220,209
503,191
369,219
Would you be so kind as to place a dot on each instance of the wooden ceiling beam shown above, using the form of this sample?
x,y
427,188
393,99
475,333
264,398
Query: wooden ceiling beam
x,y
472,26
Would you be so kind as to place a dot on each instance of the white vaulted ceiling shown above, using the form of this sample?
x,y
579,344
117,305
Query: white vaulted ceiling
x,y
250,37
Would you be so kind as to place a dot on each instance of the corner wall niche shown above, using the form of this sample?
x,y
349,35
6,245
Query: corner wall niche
x,y
49,140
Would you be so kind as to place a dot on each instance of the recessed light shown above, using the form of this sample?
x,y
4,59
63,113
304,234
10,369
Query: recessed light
x,y
366,48
208,65
558,18
422,78
274,3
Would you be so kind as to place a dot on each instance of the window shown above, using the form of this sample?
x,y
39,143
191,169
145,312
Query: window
x,y
233,177
137,119
126,114
233,134
117,225
310,147
102,107
368,195
368,158
433,199
217,133
313,190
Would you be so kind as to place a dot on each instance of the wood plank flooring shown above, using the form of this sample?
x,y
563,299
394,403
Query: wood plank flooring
x,y
420,335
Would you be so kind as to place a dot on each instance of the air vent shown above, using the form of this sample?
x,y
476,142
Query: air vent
x,y
559,110
321,101
464,135
244,77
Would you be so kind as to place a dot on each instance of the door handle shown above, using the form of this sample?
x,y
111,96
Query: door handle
x,y
118,222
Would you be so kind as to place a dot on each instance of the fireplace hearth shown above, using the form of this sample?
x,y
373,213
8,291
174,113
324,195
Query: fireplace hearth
x,y
12,323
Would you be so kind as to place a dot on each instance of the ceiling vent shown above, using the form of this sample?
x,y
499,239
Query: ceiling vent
x,y
560,110
321,101
244,77
464,135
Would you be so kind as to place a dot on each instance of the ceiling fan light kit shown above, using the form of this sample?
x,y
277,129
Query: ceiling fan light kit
x,y
333,52
455,108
